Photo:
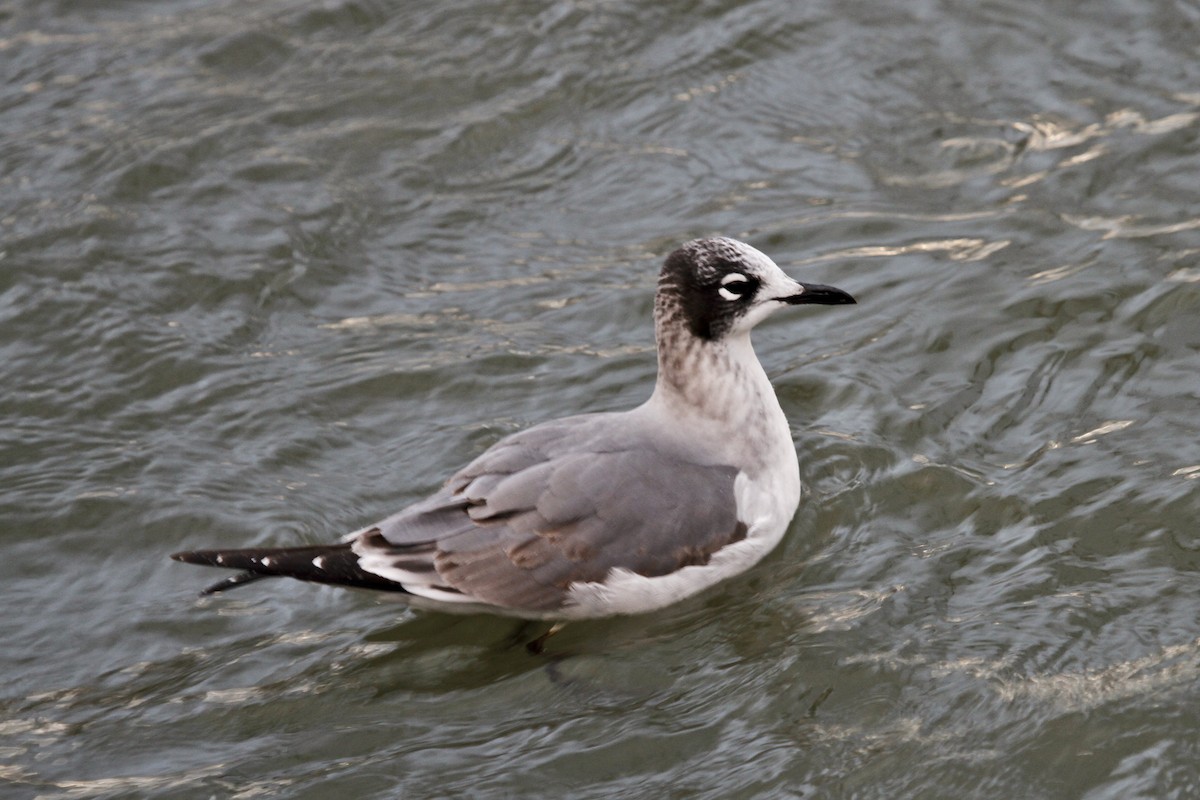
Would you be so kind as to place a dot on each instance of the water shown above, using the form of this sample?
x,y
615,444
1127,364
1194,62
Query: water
x,y
271,270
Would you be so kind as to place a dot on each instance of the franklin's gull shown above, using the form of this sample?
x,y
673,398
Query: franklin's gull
x,y
609,513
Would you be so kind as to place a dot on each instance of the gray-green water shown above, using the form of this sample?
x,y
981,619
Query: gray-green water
x,y
270,270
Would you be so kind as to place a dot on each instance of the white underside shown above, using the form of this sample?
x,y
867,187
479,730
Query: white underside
x,y
625,592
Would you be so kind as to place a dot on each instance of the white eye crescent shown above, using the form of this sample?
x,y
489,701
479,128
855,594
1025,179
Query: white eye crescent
x,y
733,286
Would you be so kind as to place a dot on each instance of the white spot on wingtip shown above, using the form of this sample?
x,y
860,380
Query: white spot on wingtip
x,y
266,561
319,562
220,559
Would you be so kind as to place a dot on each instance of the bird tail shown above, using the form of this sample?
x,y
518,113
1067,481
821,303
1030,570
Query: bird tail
x,y
326,563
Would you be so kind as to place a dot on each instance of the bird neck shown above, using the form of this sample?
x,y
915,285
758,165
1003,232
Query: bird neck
x,y
715,396
719,380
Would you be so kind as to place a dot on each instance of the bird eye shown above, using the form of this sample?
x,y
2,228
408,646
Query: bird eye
x,y
734,286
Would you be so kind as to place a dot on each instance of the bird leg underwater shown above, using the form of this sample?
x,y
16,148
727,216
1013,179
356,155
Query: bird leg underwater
x,y
538,645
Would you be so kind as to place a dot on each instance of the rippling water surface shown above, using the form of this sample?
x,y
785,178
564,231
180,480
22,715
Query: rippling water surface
x,y
270,270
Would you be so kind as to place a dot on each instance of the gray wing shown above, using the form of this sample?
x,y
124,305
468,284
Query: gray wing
x,y
549,507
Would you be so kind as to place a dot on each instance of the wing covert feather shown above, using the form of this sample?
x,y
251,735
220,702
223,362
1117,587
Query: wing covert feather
x,y
542,510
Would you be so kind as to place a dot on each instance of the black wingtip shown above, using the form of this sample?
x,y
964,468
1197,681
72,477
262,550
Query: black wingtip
x,y
231,582
334,564
205,558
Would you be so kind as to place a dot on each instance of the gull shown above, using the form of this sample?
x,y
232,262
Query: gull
x,y
602,514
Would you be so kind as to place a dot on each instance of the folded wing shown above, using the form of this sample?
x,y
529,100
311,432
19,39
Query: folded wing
x,y
533,515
